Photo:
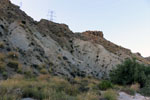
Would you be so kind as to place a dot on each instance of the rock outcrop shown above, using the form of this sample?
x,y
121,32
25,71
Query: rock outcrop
x,y
124,96
55,47
94,33
147,58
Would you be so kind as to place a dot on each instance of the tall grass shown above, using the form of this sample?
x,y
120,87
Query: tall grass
x,y
46,87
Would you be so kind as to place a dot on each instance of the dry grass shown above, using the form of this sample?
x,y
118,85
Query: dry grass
x,y
2,56
13,64
110,95
44,87
13,55
91,95
2,65
43,77
135,87
2,62
1,44
43,71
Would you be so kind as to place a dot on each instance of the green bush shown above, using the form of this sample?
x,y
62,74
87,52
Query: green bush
x,y
13,55
28,74
61,96
13,64
110,95
129,91
5,74
146,90
72,90
103,85
130,72
66,88
2,45
2,66
2,56
43,71
34,92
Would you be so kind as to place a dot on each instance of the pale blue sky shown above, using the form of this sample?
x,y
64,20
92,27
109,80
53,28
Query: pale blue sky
x,y
124,22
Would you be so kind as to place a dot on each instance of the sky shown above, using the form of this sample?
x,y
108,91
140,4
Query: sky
x,y
123,22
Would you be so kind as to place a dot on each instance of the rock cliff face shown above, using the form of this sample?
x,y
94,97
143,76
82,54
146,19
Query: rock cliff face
x,y
94,33
55,47
147,58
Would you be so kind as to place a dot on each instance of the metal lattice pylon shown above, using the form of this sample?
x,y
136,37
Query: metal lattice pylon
x,y
50,15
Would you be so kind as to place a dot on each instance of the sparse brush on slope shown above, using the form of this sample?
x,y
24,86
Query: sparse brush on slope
x,y
131,72
54,45
46,87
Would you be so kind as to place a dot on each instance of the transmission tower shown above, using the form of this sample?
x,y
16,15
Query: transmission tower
x,y
20,4
51,15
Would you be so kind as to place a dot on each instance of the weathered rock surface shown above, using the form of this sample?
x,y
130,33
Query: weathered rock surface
x,y
56,47
124,96
27,99
147,58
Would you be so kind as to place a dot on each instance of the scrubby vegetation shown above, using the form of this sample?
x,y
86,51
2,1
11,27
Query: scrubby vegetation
x,y
13,55
110,95
105,84
131,72
130,77
46,87
44,71
13,64
1,45
2,63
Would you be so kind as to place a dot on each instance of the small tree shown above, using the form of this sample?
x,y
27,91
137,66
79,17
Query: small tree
x,y
129,72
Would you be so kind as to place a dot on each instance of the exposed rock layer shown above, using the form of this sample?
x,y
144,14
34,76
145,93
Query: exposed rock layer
x,y
56,47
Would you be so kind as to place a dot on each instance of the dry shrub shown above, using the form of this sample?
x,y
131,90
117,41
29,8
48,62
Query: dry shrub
x,y
88,96
2,56
110,95
1,44
17,77
43,77
2,66
13,64
13,55
135,86
43,71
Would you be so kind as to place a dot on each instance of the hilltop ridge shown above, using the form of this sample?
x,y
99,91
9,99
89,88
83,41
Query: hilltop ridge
x,y
53,48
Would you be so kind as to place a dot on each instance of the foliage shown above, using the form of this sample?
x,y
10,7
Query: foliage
x,y
28,73
90,95
34,92
110,95
130,72
135,86
13,55
61,96
45,87
13,64
2,45
4,74
105,84
128,91
2,57
146,90
2,62
2,66
43,71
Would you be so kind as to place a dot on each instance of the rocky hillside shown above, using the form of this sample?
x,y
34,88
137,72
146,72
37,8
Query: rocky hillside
x,y
48,47
147,58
